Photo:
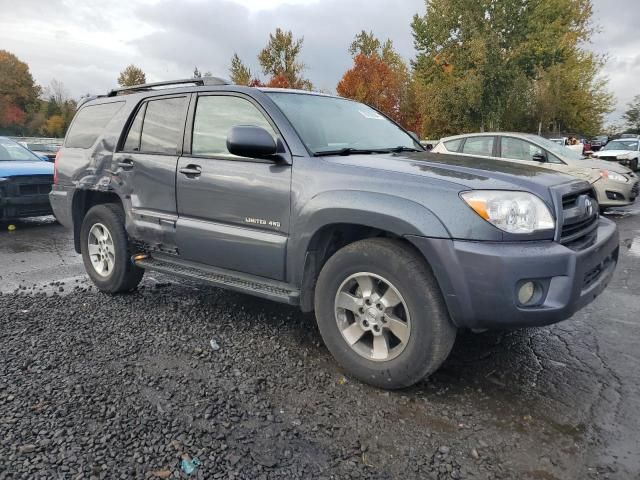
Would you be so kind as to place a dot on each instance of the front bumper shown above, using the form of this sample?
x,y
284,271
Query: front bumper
x,y
616,194
24,197
479,280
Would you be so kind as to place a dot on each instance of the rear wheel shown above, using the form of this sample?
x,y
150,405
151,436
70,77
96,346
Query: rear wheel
x,y
381,313
105,250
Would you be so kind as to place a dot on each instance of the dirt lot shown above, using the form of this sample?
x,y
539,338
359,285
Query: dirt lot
x,y
93,386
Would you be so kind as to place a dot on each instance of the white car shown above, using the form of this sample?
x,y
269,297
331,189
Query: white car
x,y
622,150
615,185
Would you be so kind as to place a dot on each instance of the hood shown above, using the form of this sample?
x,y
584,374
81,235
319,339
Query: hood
x,y
469,172
599,165
613,153
27,167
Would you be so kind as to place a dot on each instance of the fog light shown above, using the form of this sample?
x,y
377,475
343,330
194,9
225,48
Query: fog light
x,y
526,292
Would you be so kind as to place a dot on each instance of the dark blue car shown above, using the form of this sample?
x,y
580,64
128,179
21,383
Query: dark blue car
x,y
25,182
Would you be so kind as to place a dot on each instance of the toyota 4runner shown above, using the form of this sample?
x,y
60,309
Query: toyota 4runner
x,y
325,203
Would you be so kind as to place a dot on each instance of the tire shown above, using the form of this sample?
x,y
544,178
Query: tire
x,y
118,273
392,266
633,165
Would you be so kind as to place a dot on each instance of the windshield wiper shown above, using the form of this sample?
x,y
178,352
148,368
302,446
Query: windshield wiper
x,y
404,149
346,151
365,151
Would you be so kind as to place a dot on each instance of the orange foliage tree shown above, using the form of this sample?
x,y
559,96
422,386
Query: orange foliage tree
x,y
372,81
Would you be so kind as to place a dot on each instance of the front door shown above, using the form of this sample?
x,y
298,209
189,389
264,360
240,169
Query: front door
x,y
233,212
146,163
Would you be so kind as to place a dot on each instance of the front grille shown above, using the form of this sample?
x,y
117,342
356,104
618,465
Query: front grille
x,y
580,213
635,190
34,189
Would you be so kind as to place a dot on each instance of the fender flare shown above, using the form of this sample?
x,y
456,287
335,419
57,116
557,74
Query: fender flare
x,y
376,210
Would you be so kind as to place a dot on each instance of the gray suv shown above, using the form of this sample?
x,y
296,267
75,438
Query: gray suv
x,y
325,203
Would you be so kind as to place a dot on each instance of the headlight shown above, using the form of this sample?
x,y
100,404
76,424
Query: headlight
x,y
513,212
616,177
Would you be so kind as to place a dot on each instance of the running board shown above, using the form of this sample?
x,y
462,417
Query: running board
x,y
240,282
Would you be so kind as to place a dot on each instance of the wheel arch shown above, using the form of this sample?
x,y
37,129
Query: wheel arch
x,y
82,202
337,219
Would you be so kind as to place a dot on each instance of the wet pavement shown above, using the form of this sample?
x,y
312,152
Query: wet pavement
x,y
550,403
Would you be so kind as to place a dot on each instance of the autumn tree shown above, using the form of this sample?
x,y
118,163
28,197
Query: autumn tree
x,y
131,76
240,73
381,78
18,91
632,115
55,126
280,57
371,81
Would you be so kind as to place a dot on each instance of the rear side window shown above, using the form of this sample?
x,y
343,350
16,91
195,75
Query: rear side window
x,y
453,145
162,126
478,146
132,144
215,116
89,124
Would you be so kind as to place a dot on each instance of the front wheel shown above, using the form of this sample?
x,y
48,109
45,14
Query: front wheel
x,y
633,165
105,250
381,313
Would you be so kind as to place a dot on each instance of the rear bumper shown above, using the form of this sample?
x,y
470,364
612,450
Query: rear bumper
x,y
60,199
480,280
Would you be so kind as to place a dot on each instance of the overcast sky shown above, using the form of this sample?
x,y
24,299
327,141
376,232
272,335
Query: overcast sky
x,y
85,43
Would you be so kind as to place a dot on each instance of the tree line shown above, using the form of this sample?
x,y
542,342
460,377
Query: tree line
x,y
519,65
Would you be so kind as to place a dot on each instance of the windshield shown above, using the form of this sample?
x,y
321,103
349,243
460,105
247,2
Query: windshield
x,y
622,145
13,151
558,150
330,124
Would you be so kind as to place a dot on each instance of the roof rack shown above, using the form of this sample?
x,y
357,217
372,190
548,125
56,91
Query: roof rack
x,y
202,82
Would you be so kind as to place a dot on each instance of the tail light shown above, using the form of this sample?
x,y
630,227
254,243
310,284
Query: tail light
x,y
55,168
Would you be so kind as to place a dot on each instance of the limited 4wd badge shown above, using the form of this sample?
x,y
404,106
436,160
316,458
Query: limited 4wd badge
x,y
260,221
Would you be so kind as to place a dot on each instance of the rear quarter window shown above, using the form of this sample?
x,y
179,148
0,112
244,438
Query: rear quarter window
x,y
453,145
89,123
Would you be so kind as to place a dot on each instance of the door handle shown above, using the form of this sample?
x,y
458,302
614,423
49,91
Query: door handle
x,y
126,164
191,170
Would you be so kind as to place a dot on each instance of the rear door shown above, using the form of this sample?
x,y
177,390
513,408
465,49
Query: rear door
x,y
146,163
233,212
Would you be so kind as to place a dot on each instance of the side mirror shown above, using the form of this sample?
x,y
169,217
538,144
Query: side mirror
x,y
249,141
539,157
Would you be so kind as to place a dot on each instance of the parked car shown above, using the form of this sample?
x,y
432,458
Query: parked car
x,y
25,182
45,150
625,151
598,142
325,203
582,146
615,185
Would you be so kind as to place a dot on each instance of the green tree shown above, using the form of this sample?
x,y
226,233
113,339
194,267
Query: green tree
x,y
365,44
131,76
632,115
280,58
483,63
240,73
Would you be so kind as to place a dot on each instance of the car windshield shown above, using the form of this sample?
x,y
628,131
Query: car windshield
x,y
622,145
335,125
558,150
13,151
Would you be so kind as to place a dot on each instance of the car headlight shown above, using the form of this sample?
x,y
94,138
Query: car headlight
x,y
513,212
616,177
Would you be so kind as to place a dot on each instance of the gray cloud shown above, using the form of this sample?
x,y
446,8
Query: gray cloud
x,y
86,43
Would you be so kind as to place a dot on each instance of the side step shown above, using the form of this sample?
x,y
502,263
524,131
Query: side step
x,y
240,282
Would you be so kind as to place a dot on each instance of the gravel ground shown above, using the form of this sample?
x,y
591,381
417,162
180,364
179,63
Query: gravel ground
x,y
129,386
